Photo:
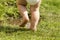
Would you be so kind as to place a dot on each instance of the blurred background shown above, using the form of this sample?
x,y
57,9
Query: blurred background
x,y
48,27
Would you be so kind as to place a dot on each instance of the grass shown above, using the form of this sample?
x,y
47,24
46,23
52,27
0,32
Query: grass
x,y
48,27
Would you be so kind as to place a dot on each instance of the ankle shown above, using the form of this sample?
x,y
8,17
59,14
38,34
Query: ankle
x,y
33,28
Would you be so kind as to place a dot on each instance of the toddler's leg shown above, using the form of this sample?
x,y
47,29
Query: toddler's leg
x,y
21,4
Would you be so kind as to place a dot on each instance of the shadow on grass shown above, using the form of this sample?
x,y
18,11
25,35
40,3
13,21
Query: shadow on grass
x,y
9,29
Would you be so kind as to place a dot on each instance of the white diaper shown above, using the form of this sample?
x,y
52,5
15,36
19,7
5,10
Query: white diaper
x,y
32,2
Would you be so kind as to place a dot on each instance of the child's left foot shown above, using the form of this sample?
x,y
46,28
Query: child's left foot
x,y
28,27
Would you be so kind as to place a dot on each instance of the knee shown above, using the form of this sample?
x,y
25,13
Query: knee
x,y
26,18
35,15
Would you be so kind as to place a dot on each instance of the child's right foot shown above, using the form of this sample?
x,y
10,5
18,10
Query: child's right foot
x,y
23,23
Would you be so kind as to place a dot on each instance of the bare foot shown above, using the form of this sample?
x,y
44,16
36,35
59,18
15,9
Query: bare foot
x,y
23,23
30,28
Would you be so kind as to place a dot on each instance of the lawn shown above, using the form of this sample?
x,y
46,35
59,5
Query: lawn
x,y
48,27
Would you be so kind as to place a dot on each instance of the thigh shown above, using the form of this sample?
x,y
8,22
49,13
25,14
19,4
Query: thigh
x,y
35,7
21,2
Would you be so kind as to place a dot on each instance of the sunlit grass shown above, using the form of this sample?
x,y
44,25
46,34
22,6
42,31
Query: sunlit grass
x,y
48,27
